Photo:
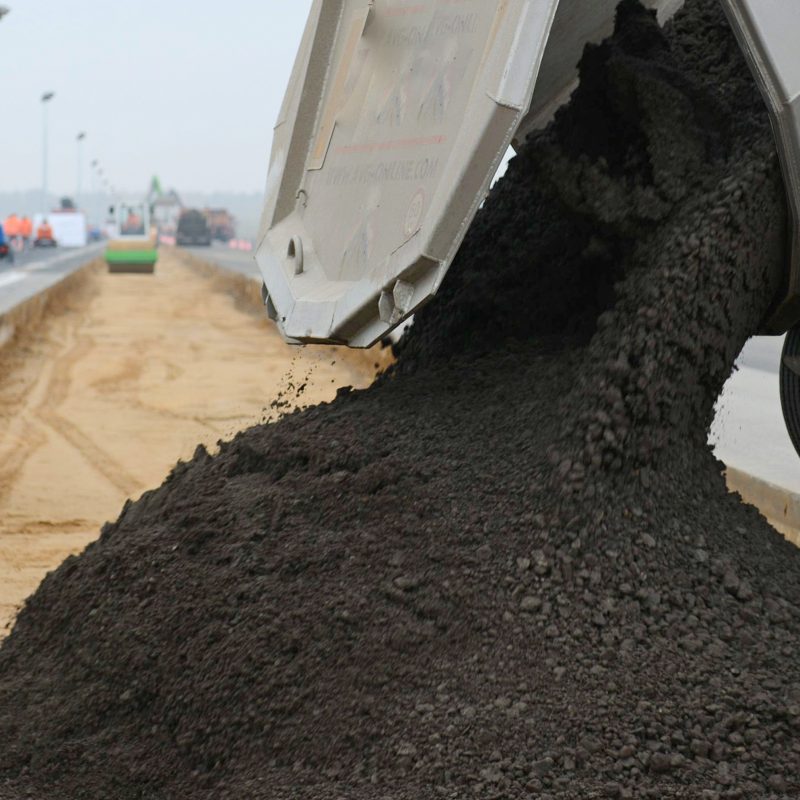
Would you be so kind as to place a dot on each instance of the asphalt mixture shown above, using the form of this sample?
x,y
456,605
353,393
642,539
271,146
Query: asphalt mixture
x,y
511,568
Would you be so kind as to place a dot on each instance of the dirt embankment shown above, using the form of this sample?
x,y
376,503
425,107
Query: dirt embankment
x,y
118,378
512,568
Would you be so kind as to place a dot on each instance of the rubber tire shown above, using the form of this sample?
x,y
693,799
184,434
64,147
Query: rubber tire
x,y
790,388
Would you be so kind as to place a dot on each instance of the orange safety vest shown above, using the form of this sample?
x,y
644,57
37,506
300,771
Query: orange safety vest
x,y
12,226
26,227
44,232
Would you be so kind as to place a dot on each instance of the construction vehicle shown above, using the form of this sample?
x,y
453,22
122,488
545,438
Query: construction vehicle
x,y
44,235
132,245
221,224
192,230
66,226
395,120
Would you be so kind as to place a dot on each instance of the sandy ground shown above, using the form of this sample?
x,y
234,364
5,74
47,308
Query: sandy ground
x,y
128,375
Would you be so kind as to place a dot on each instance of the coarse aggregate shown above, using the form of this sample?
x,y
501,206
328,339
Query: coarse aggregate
x,y
511,568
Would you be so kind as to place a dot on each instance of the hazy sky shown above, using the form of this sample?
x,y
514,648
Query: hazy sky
x,y
185,89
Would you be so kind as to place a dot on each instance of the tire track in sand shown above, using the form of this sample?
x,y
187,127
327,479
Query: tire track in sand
x,y
81,347
28,430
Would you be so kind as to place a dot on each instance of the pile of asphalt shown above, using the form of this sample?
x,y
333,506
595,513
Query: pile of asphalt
x,y
511,569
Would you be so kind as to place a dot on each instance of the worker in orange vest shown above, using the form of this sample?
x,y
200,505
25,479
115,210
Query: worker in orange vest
x,y
26,230
44,232
13,231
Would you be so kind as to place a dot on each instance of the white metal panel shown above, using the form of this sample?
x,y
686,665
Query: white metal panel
x,y
396,117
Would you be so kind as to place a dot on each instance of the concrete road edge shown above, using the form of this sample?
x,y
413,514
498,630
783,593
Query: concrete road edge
x,y
780,506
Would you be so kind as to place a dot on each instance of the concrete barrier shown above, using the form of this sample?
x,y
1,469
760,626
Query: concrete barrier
x,y
780,506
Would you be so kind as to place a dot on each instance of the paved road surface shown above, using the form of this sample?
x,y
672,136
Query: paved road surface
x,y
38,270
222,256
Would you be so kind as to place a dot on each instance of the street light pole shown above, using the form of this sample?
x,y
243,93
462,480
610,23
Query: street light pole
x,y
103,191
93,203
79,138
46,98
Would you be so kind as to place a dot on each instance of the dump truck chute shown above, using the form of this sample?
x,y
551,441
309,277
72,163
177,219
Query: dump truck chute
x,y
396,118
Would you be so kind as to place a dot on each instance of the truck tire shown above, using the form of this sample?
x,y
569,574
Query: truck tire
x,y
790,385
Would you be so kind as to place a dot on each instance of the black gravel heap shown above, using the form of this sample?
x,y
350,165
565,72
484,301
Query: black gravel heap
x,y
511,569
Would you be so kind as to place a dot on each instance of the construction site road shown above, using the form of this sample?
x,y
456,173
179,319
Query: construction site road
x,y
239,261
126,375
111,353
